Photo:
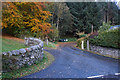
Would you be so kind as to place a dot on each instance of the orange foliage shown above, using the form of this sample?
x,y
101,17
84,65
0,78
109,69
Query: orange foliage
x,y
27,15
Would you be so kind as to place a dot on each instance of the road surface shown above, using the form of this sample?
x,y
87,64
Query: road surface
x,y
71,62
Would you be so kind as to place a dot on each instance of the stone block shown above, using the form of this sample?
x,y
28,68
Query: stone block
x,y
15,52
22,51
10,53
4,53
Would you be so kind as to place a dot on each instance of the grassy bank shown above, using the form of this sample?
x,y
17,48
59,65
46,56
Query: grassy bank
x,y
26,70
8,45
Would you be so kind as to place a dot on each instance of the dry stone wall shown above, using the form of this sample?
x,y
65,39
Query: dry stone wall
x,y
110,52
16,59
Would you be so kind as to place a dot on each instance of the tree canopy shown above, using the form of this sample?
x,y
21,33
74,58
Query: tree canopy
x,y
21,17
86,14
42,19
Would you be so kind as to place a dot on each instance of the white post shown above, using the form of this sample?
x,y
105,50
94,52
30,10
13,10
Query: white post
x,y
92,29
47,41
88,45
82,46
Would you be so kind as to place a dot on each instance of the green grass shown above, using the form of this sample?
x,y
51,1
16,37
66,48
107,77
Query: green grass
x,y
50,45
8,45
26,70
71,39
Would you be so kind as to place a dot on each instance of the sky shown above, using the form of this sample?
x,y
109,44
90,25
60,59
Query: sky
x,y
118,3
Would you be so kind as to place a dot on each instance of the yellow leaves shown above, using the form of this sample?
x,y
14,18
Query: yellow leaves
x,y
26,23
4,25
12,6
30,15
33,29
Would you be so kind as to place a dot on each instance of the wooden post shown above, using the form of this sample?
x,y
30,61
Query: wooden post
x,y
88,45
82,46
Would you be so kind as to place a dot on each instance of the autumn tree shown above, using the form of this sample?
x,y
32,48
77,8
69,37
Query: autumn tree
x,y
26,18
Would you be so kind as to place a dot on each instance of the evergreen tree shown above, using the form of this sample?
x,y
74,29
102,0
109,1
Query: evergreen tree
x,y
86,14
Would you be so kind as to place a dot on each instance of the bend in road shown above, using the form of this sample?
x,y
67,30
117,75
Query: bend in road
x,y
71,62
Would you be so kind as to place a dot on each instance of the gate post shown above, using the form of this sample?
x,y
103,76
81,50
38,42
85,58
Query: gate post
x,y
82,46
88,45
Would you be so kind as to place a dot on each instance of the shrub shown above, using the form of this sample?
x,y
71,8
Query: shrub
x,y
109,38
104,27
71,39
84,35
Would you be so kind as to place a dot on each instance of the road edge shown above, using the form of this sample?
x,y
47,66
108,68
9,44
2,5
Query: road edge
x,y
97,53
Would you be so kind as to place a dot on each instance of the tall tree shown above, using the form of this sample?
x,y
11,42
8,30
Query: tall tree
x,y
86,14
61,16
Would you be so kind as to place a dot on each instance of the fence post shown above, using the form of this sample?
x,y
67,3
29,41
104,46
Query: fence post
x,y
82,46
88,45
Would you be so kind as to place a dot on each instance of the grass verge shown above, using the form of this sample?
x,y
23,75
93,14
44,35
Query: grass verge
x,y
9,45
47,60
50,45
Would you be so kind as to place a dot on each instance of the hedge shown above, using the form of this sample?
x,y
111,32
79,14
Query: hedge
x,y
109,38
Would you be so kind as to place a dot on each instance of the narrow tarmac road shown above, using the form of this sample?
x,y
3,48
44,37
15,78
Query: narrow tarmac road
x,y
71,62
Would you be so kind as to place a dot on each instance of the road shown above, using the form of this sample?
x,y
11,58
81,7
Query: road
x,y
71,62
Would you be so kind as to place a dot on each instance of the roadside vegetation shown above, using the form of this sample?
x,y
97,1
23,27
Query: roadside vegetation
x,y
104,37
50,45
107,37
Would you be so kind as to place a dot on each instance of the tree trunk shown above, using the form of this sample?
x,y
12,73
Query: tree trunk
x,y
57,23
108,11
107,16
104,16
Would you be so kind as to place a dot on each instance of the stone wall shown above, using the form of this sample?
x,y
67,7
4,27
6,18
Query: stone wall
x,y
16,59
110,52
